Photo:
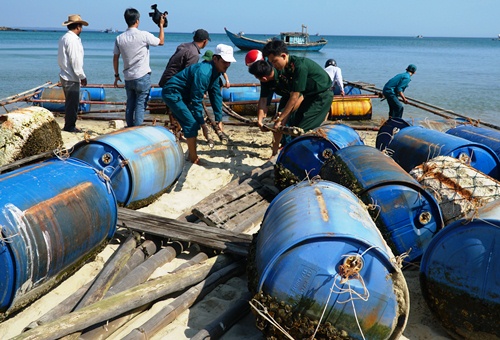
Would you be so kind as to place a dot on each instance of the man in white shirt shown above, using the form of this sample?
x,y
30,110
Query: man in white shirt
x,y
71,75
133,46
335,74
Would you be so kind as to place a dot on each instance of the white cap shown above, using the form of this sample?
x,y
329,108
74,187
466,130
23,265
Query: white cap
x,y
226,53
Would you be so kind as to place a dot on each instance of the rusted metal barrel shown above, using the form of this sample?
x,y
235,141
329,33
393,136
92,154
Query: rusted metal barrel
x,y
459,275
415,145
54,215
57,94
318,250
305,155
405,213
142,162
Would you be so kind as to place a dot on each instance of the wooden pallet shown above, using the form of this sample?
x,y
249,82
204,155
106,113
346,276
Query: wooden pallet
x,y
240,205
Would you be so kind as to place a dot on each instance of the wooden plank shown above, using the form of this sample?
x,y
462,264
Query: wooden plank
x,y
248,219
215,238
234,190
219,216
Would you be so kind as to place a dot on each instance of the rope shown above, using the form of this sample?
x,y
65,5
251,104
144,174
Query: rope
x,y
265,314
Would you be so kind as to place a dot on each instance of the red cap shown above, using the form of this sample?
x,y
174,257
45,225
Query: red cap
x,y
252,56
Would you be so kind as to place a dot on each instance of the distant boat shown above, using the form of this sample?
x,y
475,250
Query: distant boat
x,y
295,41
498,38
420,36
109,30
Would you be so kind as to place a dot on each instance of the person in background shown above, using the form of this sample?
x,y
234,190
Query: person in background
x,y
70,59
184,93
395,88
335,74
303,78
133,45
186,54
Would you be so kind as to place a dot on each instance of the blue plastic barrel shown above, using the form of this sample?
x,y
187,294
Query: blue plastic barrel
x,y
243,96
58,94
226,92
485,136
309,230
155,93
460,275
392,125
53,215
405,213
348,90
96,93
142,162
308,153
415,145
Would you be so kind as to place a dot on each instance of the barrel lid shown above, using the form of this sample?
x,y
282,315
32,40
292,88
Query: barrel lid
x,y
465,255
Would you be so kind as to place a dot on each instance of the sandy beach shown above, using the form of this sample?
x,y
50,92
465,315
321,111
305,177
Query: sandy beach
x,y
248,148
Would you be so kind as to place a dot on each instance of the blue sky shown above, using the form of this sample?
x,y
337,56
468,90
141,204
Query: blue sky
x,y
431,18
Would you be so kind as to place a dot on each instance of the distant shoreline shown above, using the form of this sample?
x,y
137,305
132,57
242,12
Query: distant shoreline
x,y
3,28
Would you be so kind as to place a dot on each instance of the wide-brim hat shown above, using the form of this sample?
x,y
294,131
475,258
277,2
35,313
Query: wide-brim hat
x,y
75,19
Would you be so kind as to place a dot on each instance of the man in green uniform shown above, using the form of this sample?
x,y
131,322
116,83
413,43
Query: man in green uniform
x,y
303,78
269,85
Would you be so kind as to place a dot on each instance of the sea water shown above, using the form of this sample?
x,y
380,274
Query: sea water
x,y
458,74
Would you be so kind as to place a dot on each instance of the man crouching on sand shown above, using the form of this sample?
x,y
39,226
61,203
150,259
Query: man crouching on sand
x,y
183,94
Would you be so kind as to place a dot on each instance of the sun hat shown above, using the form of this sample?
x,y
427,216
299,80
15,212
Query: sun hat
x,y
75,19
226,53
411,68
200,35
208,55
252,56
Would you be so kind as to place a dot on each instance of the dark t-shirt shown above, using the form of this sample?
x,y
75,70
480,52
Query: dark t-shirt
x,y
185,55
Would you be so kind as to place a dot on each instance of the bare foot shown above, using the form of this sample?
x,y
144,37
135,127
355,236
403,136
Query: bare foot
x,y
199,162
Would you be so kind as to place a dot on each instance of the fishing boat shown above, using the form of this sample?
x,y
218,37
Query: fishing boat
x,y
295,41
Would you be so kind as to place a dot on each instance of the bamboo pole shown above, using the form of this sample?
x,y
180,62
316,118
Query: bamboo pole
x,y
71,301
111,269
170,312
222,136
31,91
138,276
125,301
424,106
220,325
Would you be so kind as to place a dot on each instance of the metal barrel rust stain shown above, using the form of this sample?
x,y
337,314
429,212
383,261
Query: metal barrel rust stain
x,y
459,274
299,255
53,215
142,162
407,215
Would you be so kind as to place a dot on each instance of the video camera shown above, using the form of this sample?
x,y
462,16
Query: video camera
x,y
156,15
